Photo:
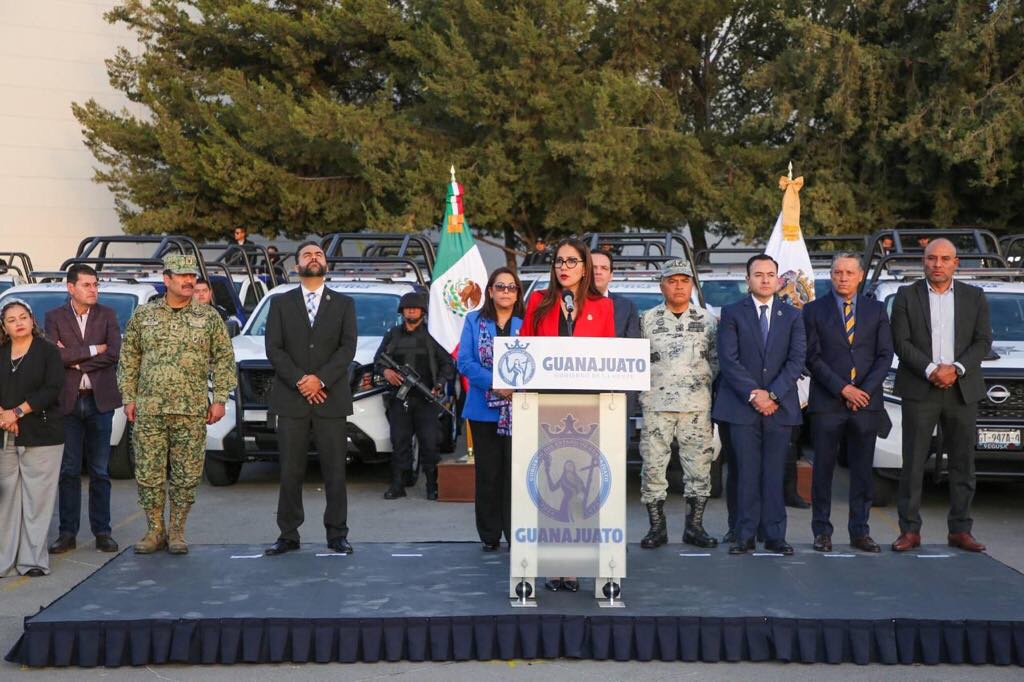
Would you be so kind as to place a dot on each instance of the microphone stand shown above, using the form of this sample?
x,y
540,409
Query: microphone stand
x,y
569,308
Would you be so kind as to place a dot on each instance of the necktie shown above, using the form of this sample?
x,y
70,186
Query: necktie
x,y
763,319
849,323
311,306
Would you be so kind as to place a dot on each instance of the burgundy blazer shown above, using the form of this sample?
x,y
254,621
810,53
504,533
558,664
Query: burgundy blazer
x,y
597,318
101,328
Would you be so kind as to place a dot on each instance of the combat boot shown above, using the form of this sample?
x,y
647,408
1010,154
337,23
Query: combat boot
x,y
156,537
695,533
176,529
431,484
658,534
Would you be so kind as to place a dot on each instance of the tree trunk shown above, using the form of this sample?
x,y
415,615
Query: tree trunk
x,y
697,234
510,243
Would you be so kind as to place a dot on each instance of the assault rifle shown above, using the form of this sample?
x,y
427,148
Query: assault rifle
x,y
411,380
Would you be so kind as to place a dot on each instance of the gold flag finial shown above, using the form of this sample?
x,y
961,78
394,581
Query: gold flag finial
x,y
791,205
453,172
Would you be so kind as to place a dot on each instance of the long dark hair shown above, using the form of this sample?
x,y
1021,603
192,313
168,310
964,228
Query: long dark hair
x,y
10,303
489,311
586,288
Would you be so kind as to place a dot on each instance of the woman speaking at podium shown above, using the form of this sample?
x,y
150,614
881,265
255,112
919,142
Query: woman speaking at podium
x,y
570,306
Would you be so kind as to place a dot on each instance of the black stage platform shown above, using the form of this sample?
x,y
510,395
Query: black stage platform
x,y
445,601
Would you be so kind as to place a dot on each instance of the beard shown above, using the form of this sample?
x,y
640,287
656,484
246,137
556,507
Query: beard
x,y
313,269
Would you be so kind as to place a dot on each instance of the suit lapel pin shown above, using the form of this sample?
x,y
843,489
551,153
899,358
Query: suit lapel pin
x,y
327,296
590,317
778,313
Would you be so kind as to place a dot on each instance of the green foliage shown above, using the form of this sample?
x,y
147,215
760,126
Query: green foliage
x,y
561,116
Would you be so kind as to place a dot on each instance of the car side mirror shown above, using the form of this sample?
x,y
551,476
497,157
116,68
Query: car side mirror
x,y
234,327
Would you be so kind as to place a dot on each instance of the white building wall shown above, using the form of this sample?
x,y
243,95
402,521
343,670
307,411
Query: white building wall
x,y
52,54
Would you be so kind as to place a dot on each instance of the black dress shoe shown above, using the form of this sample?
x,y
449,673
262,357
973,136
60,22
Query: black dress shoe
x,y
35,573
281,546
865,544
105,543
555,584
64,543
491,546
797,502
823,543
394,492
779,547
340,545
571,585
741,547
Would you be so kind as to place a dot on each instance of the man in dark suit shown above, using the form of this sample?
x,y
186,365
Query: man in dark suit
x,y
311,340
941,331
849,352
627,320
89,339
761,349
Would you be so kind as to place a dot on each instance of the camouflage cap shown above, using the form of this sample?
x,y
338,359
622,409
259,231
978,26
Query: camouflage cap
x,y
678,266
181,264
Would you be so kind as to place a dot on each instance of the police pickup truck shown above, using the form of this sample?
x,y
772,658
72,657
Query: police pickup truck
x,y
248,432
999,454
124,298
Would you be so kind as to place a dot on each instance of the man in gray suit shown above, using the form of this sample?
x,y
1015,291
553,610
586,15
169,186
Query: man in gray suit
x,y
941,333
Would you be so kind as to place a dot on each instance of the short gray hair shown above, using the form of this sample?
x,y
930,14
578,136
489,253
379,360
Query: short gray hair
x,y
846,254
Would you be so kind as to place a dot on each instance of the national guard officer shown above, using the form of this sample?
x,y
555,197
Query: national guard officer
x,y
684,361
171,347
410,345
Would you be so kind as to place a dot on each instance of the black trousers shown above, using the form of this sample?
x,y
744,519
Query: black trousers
x,y
959,437
858,431
415,417
493,454
293,443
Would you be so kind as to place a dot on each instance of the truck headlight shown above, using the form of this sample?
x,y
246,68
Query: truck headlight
x,y
889,383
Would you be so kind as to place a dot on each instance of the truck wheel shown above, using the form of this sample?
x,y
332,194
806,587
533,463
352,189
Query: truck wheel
x,y
122,456
885,489
220,473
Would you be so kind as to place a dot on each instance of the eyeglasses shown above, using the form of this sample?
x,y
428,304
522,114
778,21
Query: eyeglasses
x,y
510,288
567,262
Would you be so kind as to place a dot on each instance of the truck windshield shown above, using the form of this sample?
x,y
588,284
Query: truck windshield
x,y
45,301
375,313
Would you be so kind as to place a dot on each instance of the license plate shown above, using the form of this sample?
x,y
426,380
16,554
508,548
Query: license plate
x,y
999,439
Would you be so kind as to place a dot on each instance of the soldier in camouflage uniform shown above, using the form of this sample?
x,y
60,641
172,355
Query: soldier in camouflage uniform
x,y
684,361
171,348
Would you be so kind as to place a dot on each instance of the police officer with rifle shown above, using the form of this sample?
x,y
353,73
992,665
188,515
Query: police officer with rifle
x,y
417,368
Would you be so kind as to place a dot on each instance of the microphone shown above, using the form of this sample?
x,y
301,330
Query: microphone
x,y
568,300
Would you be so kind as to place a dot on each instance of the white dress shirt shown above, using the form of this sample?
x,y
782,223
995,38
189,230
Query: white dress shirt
x,y
83,319
941,309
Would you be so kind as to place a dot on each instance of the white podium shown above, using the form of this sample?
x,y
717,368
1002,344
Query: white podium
x,y
569,458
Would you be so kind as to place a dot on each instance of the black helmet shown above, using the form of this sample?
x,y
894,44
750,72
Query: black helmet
x,y
413,300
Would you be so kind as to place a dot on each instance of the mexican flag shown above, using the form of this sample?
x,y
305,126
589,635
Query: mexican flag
x,y
459,277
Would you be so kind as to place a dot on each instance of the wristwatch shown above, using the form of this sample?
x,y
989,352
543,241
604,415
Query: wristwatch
x,y
773,396
18,412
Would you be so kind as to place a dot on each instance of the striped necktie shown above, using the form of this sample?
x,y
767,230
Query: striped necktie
x,y
849,323
311,306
